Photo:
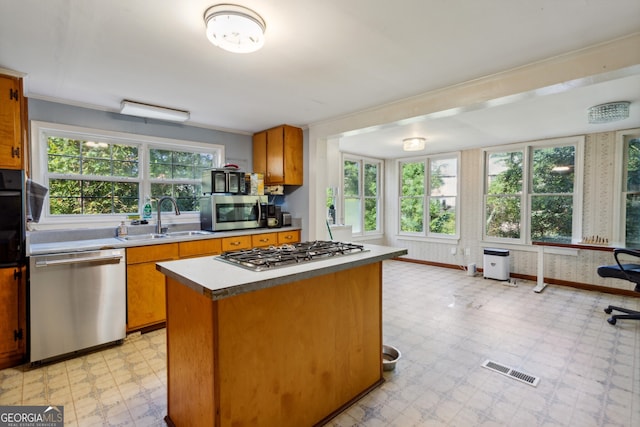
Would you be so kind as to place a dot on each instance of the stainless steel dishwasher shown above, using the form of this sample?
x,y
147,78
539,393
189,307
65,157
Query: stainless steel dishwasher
x,y
76,301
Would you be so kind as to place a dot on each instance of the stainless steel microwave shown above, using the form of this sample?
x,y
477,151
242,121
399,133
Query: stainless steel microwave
x,y
232,212
223,181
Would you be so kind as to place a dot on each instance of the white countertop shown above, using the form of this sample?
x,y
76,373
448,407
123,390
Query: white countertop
x,y
89,244
218,279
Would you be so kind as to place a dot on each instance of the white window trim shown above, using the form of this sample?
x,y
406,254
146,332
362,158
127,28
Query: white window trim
x,y
361,160
426,235
525,238
39,168
619,209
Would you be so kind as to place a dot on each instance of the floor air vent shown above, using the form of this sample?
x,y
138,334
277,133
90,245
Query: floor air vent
x,y
511,373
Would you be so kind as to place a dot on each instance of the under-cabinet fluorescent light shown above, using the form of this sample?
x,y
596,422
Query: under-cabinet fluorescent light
x,y
149,111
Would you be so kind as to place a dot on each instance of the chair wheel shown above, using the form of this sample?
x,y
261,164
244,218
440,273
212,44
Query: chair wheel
x,y
611,321
608,310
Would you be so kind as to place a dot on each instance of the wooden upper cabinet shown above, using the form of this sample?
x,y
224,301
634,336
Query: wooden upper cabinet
x,y
12,125
277,154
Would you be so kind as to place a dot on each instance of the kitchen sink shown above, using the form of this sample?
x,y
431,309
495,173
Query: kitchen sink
x,y
152,236
188,233
148,236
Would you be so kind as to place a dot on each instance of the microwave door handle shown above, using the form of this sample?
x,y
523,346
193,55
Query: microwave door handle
x,y
259,211
227,182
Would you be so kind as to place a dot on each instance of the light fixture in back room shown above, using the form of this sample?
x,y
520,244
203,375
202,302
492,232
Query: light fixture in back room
x,y
149,111
609,112
413,144
234,28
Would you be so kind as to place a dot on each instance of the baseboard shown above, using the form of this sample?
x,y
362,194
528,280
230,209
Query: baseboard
x,y
547,280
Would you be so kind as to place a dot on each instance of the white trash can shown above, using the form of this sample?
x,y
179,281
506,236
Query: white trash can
x,y
496,264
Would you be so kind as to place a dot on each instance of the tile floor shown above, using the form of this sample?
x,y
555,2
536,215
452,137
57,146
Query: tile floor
x,y
446,325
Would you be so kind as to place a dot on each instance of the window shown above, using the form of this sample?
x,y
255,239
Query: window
x,y
630,191
362,194
437,189
547,174
178,174
92,173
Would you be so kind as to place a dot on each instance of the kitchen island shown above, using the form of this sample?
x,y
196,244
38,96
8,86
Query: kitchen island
x,y
291,346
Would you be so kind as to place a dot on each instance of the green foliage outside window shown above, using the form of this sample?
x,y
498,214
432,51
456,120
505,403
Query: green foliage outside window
x,y
95,177
412,197
552,187
371,176
178,174
552,194
89,177
361,180
632,202
504,186
442,209
441,197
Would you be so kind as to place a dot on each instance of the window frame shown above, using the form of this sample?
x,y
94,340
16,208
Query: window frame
x,y
527,183
426,196
361,160
41,130
619,187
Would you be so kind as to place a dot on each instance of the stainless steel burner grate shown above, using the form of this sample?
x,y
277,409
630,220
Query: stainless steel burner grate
x,y
259,259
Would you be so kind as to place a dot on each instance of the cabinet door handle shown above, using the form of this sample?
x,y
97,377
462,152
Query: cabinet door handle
x,y
288,237
15,152
264,240
234,243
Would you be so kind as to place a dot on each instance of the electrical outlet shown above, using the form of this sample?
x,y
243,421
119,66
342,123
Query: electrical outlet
x,y
453,251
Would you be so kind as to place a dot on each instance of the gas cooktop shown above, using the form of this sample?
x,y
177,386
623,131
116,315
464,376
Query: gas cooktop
x,y
259,259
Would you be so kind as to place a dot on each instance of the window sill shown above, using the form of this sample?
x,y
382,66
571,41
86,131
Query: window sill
x,y
604,248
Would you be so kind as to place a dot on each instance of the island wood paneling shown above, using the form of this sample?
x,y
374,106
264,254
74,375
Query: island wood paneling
x,y
191,336
289,355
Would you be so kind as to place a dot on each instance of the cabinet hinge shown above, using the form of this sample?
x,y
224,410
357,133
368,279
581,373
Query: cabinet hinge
x,y
17,274
13,94
17,335
15,152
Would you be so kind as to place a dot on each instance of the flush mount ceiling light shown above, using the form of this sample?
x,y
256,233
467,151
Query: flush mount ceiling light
x,y
149,111
413,144
609,112
234,28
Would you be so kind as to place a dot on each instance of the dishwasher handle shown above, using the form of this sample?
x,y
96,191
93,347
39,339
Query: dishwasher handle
x,y
110,259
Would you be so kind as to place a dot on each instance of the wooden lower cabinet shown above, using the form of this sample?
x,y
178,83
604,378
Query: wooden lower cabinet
x,y
146,298
264,240
292,236
13,316
236,242
200,248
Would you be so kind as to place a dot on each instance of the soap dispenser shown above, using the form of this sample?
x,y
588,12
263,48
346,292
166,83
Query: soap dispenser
x,y
146,210
122,229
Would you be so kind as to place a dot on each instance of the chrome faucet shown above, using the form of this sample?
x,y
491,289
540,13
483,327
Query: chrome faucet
x,y
175,208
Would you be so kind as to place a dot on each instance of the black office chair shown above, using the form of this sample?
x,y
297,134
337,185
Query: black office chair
x,y
630,272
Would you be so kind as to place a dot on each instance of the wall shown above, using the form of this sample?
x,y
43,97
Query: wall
x,y
237,146
574,265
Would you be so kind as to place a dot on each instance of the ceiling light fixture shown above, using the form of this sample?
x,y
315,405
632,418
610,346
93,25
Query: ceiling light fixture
x,y
149,111
234,28
609,112
413,144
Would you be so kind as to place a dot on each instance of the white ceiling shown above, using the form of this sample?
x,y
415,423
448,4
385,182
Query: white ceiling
x,y
322,60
